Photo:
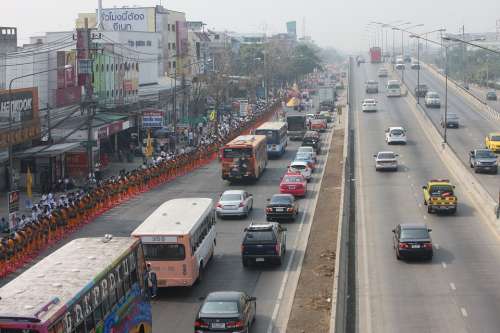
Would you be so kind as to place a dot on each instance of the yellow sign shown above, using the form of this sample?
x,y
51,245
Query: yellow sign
x,y
212,115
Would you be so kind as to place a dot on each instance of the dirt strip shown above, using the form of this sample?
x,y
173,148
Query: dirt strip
x,y
311,306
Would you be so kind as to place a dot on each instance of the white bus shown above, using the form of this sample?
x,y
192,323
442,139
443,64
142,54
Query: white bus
x,y
393,88
179,239
276,135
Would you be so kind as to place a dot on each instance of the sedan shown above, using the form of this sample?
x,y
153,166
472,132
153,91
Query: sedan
x,y
491,96
386,160
234,203
294,184
301,167
226,311
282,206
306,149
451,121
308,157
412,241
369,105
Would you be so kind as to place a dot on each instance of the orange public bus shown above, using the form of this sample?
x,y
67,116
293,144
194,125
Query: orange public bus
x,y
244,158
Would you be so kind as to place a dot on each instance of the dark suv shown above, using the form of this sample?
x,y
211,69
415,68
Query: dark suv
x,y
282,207
312,139
263,243
421,90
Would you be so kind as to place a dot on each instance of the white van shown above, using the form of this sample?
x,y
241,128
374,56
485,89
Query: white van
x,y
393,88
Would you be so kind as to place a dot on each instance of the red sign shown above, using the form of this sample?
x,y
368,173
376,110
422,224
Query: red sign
x,y
77,164
102,133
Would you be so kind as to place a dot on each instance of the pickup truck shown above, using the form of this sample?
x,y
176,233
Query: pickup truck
x,y
318,124
483,160
439,196
263,243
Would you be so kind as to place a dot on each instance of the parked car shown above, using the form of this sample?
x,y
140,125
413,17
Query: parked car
x,y
483,160
412,241
421,90
400,66
451,121
263,243
234,203
395,135
282,207
294,184
491,95
226,311
386,160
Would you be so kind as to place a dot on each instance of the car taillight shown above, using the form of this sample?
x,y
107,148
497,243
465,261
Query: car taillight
x,y
200,324
403,246
268,209
235,324
277,248
428,245
219,205
290,210
242,204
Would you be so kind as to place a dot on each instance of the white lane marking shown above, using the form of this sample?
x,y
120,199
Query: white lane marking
x,y
452,286
464,312
444,265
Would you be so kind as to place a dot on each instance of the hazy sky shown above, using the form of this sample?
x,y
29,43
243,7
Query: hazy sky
x,y
338,23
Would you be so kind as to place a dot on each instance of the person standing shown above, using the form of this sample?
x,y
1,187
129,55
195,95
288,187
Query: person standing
x,y
151,281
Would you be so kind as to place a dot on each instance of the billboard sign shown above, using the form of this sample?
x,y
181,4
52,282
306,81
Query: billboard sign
x,y
129,19
24,104
152,118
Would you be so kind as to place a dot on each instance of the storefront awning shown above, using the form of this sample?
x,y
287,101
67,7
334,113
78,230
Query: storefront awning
x,y
47,151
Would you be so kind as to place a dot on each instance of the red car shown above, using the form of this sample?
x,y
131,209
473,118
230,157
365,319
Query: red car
x,y
293,183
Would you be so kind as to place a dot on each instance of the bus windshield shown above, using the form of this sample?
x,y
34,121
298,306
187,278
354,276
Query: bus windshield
x,y
170,252
272,136
393,86
237,152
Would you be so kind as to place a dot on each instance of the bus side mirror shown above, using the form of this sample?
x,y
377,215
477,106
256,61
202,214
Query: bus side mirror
x,y
424,187
252,298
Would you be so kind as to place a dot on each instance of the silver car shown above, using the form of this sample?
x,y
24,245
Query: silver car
x,y
386,160
234,203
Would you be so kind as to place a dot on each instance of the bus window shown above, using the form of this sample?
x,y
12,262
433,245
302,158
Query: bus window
x,y
98,313
172,252
89,323
119,284
237,153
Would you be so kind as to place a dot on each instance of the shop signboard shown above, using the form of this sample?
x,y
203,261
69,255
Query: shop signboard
x,y
152,118
129,19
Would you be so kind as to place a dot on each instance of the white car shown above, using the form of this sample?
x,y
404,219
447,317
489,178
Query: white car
x,y
310,150
369,105
432,100
395,135
400,66
383,72
386,160
301,167
234,203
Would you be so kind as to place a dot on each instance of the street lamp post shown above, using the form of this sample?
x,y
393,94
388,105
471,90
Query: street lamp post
x,y
445,94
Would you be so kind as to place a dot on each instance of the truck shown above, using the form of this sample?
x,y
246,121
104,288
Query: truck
x,y
439,196
327,93
375,55
297,126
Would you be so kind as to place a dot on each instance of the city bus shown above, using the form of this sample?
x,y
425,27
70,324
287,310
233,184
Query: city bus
x,y
393,88
276,134
179,240
88,285
245,157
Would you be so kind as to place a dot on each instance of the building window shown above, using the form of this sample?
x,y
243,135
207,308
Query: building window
x,y
139,43
131,43
173,46
107,67
168,27
216,37
174,64
173,27
148,43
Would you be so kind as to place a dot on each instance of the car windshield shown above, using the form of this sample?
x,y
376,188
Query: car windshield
x,y
495,138
393,86
303,157
281,199
417,233
492,93
397,132
433,95
451,116
222,307
386,156
230,197
298,166
259,237
441,190
369,101
485,154
292,179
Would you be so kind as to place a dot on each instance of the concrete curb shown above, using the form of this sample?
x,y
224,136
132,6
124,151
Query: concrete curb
x,y
481,199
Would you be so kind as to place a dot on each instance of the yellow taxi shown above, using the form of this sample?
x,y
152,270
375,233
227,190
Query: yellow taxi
x,y
492,142
439,196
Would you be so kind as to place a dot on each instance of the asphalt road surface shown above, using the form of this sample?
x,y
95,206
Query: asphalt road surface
x,y
459,290
174,309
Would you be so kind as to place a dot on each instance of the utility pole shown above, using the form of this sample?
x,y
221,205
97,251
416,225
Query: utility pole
x,y
464,62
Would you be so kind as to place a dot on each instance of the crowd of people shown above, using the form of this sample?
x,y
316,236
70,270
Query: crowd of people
x,y
54,217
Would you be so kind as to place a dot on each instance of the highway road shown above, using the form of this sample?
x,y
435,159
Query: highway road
x,y
474,125
174,310
459,291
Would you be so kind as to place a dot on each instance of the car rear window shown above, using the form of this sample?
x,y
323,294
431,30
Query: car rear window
x,y
397,132
215,307
386,155
418,233
281,199
259,237
230,197
298,166
439,190
293,179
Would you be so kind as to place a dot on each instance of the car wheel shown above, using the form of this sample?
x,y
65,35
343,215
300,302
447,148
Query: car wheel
x,y
429,257
476,170
268,219
429,209
245,262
